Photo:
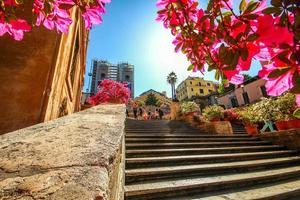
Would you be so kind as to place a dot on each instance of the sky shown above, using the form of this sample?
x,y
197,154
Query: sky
x,y
130,33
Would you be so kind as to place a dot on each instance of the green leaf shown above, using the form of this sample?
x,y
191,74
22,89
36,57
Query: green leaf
x,y
222,51
244,54
252,5
191,67
242,6
210,5
272,10
217,75
297,113
276,3
250,16
296,83
278,72
252,37
283,58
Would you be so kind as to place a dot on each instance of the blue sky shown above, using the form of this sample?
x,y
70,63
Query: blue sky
x,y
130,33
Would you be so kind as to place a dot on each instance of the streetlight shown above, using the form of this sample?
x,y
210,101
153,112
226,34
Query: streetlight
x,y
242,86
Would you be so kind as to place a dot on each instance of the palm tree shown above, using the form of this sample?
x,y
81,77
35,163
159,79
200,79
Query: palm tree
x,y
171,79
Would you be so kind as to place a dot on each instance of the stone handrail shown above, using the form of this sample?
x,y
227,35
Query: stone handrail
x,y
80,156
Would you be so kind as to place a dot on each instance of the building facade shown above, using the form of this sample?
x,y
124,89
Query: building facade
x,y
122,72
249,92
195,87
42,75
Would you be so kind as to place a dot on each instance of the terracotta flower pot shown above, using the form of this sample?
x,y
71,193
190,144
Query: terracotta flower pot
x,y
251,130
226,119
293,124
281,125
215,120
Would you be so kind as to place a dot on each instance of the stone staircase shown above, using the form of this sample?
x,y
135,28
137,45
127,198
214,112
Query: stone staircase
x,y
170,160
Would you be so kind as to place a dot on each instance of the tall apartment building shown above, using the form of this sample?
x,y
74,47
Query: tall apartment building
x,y
194,87
122,72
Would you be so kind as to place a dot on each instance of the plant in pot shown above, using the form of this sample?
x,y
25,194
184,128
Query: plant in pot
x,y
214,113
249,119
284,107
230,115
110,91
189,108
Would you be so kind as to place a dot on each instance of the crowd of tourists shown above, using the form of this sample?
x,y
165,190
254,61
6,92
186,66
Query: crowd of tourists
x,y
142,113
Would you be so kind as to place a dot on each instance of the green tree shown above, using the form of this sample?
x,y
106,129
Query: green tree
x,y
151,100
247,77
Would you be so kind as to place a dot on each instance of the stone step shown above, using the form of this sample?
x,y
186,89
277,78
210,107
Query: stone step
x,y
193,145
146,174
197,151
183,187
288,189
184,140
202,159
130,135
166,131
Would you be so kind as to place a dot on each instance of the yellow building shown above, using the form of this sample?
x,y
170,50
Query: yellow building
x,y
193,87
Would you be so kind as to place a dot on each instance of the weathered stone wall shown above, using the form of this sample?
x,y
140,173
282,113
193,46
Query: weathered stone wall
x,y
80,156
287,138
220,128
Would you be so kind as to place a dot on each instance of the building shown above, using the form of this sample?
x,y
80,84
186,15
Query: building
x,y
122,72
194,87
249,92
42,75
161,97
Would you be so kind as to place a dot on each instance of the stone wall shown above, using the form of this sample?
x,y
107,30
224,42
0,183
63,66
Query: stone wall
x,y
219,128
288,138
80,156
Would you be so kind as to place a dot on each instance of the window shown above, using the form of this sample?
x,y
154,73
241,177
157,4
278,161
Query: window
x,y
199,84
127,78
208,84
74,59
209,90
263,91
234,102
201,91
246,98
191,82
103,76
192,89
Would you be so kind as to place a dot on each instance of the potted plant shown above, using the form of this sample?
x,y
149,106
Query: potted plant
x,y
214,113
284,107
189,108
249,119
110,91
230,115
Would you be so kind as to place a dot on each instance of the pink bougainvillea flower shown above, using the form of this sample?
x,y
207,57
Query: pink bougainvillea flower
x,y
110,91
278,85
270,33
15,28
92,15
58,19
298,100
10,3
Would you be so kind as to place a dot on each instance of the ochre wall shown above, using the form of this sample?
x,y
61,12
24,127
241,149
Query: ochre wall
x,y
24,71
34,73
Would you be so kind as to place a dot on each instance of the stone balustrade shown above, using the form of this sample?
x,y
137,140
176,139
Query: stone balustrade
x,y
288,138
78,157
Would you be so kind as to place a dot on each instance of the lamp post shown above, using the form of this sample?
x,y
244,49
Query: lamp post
x,y
243,88
89,86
